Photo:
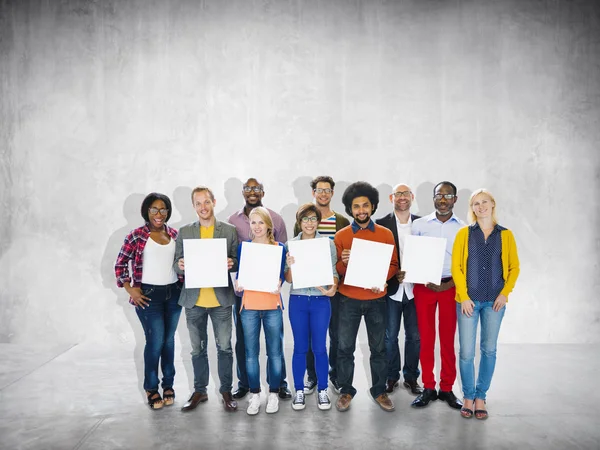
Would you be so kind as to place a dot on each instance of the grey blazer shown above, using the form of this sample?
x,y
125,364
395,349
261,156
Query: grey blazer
x,y
225,295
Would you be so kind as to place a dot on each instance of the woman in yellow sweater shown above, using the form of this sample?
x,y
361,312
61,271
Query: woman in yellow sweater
x,y
485,267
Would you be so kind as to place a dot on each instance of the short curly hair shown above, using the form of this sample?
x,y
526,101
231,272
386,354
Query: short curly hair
x,y
305,210
151,198
322,179
360,189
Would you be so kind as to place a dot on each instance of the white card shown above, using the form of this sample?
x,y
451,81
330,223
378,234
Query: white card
x,y
369,264
205,263
312,263
260,266
423,259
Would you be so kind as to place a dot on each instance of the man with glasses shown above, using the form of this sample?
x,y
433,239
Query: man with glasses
x,y
331,222
440,223
202,303
400,299
253,192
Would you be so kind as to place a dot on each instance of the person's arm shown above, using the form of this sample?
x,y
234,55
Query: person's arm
x,y
280,232
122,263
178,262
340,266
232,253
289,260
513,264
459,271
330,292
393,269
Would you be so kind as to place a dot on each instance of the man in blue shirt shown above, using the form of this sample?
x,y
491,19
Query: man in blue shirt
x,y
441,223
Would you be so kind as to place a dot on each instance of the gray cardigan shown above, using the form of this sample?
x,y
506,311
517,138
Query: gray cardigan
x,y
225,295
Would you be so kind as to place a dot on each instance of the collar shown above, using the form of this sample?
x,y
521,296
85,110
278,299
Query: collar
x,y
432,217
398,221
356,228
475,226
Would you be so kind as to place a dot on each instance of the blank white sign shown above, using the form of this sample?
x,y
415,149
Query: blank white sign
x,y
205,263
423,259
369,264
312,263
260,266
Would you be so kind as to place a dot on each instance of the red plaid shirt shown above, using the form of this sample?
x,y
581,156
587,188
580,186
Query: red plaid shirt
x,y
133,250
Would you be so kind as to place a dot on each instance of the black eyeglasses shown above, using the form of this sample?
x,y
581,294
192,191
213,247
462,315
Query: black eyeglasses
x,y
256,189
321,190
446,196
402,194
309,219
162,211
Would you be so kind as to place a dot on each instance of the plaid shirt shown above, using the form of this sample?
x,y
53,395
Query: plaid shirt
x,y
133,250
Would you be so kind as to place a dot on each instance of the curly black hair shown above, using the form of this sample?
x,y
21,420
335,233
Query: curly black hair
x,y
151,198
360,189
322,179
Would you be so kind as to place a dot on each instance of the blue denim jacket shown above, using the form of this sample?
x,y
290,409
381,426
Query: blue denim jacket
x,y
313,290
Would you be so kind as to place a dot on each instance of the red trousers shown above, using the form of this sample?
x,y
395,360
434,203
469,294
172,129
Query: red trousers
x,y
426,302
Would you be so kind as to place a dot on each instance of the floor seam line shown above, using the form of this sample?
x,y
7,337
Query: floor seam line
x,y
38,367
88,434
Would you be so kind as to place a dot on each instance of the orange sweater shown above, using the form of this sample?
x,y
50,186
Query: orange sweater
x,y
343,240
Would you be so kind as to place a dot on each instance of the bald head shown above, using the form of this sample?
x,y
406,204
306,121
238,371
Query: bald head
x,y
402,197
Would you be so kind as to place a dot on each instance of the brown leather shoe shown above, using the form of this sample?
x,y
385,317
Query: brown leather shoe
x,y
390,385
195,399
229,403
385,402
343,403
413,386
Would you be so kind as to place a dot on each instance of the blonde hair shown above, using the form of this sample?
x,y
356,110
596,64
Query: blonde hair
x,y
471,215
263,213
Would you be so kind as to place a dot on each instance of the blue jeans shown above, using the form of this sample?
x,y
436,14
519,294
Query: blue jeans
x,y
412,340
467,333
272,320
197,322
309,317
351,312
240,351
159,320
333,343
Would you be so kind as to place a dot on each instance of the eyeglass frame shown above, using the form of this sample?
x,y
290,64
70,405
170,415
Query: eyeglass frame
x,y
255,189
446,196
402,194
155,211
307,219
323,190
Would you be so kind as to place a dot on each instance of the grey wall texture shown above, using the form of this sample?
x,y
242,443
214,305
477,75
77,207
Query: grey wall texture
x,y
102,102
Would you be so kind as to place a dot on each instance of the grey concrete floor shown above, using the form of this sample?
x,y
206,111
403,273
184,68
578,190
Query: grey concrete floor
x,y
89,396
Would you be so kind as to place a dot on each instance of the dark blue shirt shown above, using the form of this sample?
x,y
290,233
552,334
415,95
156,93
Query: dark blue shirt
x,y
484,264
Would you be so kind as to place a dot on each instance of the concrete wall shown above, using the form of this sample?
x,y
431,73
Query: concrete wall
x,y
103,102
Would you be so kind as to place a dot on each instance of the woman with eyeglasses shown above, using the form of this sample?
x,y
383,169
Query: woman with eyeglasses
x,y
262,308
310,311
154,290
485,268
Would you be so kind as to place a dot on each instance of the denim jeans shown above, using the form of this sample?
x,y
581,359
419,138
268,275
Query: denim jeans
x,y
159,320
197,323
467,333
272,320
309,317
333,343
240,351
351,312
412,341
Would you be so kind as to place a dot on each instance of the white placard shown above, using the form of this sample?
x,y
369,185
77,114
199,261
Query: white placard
x,y
312,263
369,264
205,263
423,259
260,266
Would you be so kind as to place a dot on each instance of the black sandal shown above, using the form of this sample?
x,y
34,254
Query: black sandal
x,y
481,414
169,396
154,400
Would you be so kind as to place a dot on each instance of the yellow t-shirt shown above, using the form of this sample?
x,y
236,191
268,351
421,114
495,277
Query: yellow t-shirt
x,y
207,297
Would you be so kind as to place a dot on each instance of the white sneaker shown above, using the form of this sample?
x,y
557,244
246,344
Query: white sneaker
x,y
253,404
323,401
272,403
298,403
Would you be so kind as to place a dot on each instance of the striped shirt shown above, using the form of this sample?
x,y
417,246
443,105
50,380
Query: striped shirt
x,y
327,226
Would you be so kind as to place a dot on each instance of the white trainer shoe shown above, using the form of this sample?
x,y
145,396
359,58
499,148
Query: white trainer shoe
x,y
272,403
323,401
253,404
298,402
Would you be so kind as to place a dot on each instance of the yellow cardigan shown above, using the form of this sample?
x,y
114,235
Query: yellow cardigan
x,y
460,254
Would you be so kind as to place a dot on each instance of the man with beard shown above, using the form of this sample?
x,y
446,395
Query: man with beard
x,y
361,200
400,299
440,223
331,222
253,192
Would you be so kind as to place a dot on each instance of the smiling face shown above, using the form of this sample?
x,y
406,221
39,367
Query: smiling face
x,y
402,198
323,193
309,224
157,219
482,206
252,197
204,205
443,205
258,226
362,208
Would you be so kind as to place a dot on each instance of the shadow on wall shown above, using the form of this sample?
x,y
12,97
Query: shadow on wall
x,y
303,194
336,201
383,208
131,212
182,201
232,192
